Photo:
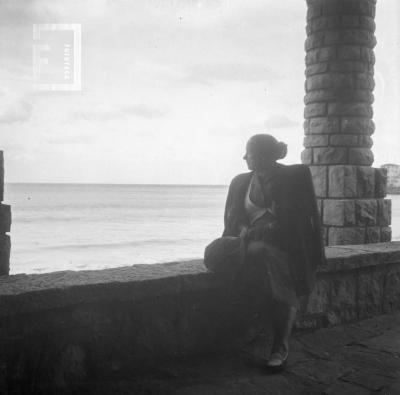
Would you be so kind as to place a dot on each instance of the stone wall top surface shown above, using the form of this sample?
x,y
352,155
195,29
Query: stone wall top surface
x,y
21,293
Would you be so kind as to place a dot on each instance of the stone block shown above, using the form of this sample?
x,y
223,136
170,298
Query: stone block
x,y
357,125
367,23
370,289
343,296
315,110
306,126
349,52
330,155
342,181
386,235
346,37
361,156
347,7
367,54
319,206
316,68
365,141
322,23
329,81
371,68
319,176
365,182
350,109
348,66
314,10
384,212
348,235
373,234
323,54
324,125
314,40
339,212
391,295
366,212
339,94
363,96
380,182
5,218
319,298
316,140
345,140
359,7
331,8
5,248
1,176
325,230
327,95
364,81
306,156
350,21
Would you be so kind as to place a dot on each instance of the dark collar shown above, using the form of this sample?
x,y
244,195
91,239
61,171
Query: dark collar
x,y
276,170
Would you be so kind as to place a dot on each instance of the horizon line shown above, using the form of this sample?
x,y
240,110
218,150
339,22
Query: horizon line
x,y
112,183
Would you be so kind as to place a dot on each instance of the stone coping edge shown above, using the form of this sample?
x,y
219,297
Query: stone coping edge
x,y
24,294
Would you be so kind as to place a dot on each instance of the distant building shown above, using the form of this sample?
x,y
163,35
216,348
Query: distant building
x,y
393,177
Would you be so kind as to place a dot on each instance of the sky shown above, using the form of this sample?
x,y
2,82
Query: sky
x,y
171,90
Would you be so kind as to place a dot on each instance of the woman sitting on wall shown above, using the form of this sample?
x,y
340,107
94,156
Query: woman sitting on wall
x,y
272,222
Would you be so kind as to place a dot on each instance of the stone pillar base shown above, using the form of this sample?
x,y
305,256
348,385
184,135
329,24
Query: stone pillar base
x,y
5,225
352,204
356,235
5,247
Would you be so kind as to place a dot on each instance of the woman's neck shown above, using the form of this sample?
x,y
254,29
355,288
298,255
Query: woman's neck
x,y
267,170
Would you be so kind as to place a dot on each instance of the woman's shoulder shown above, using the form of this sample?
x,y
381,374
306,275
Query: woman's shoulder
x,y
295,170
242,177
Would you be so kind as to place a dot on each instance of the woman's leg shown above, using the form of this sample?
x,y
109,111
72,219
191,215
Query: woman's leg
x,y
254,293
284,316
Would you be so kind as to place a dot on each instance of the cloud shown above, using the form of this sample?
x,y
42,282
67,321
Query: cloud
x,y
242,72
279,121
107,114
14,109
73,139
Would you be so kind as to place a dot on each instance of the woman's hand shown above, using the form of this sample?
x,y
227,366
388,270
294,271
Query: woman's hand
x,y
243,231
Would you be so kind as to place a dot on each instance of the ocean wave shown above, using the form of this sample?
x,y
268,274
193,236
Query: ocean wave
x,y
124,244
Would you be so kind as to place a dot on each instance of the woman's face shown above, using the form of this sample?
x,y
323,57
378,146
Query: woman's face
x,y
254,160
251,158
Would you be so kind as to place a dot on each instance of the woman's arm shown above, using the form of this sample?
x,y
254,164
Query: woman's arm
x,y
228,209
233,225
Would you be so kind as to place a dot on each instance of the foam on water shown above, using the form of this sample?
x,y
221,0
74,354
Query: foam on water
x,y
78,226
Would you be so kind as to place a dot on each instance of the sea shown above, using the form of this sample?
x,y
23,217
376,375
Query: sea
x,y
96,226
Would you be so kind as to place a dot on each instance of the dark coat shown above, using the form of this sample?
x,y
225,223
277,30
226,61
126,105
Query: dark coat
x,y
298,218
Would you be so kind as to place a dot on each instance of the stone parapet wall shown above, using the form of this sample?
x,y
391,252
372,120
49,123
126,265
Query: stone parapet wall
x,y
338,121
5,225
65,327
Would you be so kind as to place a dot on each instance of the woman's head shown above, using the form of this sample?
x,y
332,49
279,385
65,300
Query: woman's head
x,y
262,150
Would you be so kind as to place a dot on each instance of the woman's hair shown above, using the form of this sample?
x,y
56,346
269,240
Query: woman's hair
x,y
265,145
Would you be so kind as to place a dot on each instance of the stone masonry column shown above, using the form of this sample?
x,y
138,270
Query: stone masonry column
x,y
338,122
5,225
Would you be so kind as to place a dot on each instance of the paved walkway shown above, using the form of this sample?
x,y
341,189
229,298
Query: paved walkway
x,y
357,359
